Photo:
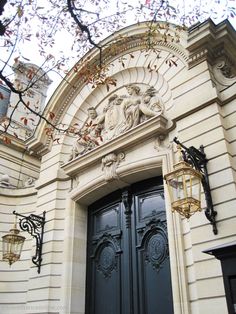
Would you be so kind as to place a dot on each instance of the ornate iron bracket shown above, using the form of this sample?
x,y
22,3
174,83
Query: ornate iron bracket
x,y
34,225
197,159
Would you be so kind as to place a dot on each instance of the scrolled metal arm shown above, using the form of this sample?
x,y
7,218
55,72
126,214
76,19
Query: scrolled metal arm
x,y
197,158
34,225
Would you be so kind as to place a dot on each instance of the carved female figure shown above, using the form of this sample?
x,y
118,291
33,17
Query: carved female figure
x,y
113,117
131,109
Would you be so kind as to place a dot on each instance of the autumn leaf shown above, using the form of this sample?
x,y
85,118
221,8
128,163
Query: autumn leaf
x,y
1,96
6,140
24,120
16,59
51,115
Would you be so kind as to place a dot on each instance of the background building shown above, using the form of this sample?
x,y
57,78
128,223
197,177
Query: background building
x,y
185,87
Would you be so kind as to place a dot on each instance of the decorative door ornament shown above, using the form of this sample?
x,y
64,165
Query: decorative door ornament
x,y
106,254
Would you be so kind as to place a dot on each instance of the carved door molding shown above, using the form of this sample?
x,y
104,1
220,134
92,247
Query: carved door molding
x,y
128,269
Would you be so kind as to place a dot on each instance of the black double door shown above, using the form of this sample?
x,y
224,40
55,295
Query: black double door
x,y
128,269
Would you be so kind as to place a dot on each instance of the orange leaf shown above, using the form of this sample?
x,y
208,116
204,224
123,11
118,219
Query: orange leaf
x,y
51,115
6,140
25,121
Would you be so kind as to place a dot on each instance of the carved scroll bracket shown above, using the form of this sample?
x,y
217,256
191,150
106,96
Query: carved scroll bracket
x,y
109,165
162,143
224,73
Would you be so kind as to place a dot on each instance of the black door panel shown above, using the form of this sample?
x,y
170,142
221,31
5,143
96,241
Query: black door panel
x,y
128,269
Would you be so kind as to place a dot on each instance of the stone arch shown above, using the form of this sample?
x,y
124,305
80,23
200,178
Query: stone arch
x,y
77,112
72,92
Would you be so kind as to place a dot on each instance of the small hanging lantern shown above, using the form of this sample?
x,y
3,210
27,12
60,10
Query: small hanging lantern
x,y
184,183
12,244
184,186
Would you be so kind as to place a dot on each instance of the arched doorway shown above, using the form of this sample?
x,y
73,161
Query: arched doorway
x,y
128,269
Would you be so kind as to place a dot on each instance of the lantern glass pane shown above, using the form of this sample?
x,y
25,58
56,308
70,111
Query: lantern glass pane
x,y
184,186
12,246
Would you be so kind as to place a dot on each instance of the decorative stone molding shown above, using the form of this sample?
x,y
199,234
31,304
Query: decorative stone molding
x,y
223,73
197,57
226,69
159,143
109,165
29,182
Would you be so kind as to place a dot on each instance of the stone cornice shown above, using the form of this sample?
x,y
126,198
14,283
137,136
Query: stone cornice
x,y
208,41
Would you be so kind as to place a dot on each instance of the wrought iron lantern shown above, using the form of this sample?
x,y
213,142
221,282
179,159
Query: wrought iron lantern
x,y
185,181
13,242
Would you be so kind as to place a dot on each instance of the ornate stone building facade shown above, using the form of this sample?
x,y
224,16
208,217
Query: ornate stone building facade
x,y
185,87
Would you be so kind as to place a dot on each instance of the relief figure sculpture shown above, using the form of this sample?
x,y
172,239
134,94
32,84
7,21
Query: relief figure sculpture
x,y
138,107
89,134
151,104
120,114
131,107
113,117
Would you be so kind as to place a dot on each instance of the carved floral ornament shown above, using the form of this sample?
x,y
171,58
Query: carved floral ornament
x,y
120,113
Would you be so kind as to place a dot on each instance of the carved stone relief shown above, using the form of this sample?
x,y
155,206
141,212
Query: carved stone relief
x,y
109,165
120,114
225,69
29,182
224,73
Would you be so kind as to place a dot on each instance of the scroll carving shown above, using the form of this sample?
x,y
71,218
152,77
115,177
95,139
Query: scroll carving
x,y
120,114
109,165
225,69
224,73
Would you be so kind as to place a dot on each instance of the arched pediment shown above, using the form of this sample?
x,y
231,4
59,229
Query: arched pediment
x,y
128,61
